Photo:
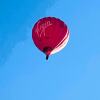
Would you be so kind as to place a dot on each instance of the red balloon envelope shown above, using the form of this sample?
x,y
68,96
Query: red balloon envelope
x,y
50,35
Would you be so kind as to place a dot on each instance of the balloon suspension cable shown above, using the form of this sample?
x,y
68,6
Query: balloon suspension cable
x,y
47,56
45,50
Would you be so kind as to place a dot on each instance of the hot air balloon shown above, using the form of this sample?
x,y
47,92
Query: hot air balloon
x,y
50,35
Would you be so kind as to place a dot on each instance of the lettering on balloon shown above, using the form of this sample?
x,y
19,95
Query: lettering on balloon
x,y
40,29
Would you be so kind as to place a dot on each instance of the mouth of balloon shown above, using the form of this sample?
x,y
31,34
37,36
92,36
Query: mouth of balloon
x,y
47,50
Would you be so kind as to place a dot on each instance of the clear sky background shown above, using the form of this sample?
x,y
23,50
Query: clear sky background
x,y
72,74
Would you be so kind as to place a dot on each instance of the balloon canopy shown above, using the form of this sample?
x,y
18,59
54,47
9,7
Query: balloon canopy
x,y
50,35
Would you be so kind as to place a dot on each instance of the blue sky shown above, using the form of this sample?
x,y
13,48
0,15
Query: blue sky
x,y
72,74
